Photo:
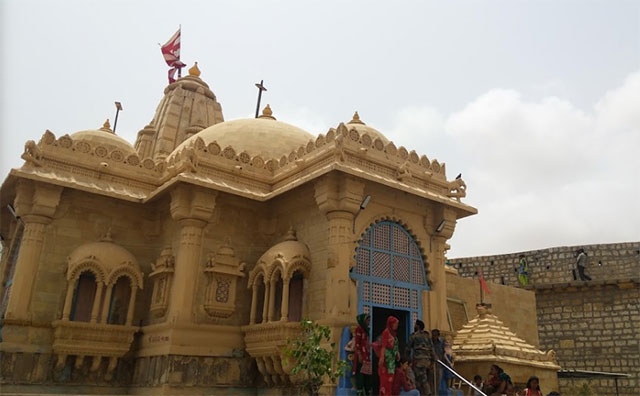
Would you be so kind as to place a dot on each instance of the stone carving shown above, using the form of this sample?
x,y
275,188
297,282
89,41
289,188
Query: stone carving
x,y
222,270
457,189
403,172
161,275
32,154
96,338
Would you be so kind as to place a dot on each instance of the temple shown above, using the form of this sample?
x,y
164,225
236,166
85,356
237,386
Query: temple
x,y
184,262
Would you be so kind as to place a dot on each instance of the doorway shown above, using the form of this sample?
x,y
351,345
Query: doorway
x,y
379,323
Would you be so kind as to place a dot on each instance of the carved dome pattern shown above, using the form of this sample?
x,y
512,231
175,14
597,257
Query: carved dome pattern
x,y
107,260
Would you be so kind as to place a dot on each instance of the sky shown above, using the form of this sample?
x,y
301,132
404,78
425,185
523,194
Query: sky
x,y
536,103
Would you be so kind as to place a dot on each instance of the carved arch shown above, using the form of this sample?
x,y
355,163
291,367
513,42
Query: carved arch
x,y
258,270
88,264
303,265
276,264
276,267
135,277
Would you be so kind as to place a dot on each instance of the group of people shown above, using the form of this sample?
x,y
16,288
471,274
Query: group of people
x,y
410,374
499,383
415,372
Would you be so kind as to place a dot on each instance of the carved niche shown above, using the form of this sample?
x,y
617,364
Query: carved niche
x,y
161,275
222,271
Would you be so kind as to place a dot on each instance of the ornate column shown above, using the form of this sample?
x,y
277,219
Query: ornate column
x,y
254,304
285,299
68,300
438,293
265,303
96,302
192,207
35,204
339,197
132,305
105,304
272,299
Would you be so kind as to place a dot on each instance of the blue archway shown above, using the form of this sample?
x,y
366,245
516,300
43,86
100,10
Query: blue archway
x,y
389,270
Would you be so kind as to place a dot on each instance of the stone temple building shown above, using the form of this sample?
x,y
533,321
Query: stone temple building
x,y
183,263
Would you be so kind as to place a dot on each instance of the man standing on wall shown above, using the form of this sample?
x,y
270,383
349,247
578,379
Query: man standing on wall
x,y
581,263
422,356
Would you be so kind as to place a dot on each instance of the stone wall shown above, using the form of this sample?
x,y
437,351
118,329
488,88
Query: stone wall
x,y
555,265
593,325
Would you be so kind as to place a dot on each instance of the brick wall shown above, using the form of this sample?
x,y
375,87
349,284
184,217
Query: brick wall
x,y
592,326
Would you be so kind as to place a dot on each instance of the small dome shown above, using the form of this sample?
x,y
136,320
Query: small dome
x,y
108,253
363,128
264,136
106,259
104,137
289,250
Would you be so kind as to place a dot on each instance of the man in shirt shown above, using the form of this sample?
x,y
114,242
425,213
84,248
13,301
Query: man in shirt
x,y
581,263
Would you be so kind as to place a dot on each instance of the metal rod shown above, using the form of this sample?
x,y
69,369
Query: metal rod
x,y
260,89
115,123
616,381
461,377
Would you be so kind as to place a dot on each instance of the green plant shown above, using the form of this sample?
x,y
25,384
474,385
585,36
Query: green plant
x,y
312,361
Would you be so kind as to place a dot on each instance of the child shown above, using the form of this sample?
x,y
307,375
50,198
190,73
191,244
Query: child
x,y
477,382
404,380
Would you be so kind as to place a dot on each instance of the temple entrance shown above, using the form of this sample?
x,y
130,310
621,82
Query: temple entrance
x,y
378,324
390,275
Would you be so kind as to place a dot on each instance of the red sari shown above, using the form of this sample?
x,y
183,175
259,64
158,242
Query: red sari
x,y
386,369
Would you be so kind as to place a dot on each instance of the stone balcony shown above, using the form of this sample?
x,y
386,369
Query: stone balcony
x,y
96,340
265,343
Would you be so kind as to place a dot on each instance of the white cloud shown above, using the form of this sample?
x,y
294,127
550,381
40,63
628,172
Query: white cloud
x,y
542,173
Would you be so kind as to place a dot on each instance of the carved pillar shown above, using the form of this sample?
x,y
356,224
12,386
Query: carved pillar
x,y
35,203
254,304
285,299
339,197
437,274
272,299
132,305
192,208
96,302
105,304
68,300
265,304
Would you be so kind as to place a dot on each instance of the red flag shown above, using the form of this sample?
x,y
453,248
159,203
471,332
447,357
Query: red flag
x,y
483,284
171,54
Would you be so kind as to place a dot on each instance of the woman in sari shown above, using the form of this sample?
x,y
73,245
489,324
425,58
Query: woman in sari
x,y
362,357
388,355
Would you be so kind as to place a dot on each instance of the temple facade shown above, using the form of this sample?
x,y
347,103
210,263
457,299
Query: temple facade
x,y
187,259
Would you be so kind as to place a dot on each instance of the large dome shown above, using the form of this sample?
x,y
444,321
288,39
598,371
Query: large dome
x,y
262,136
105,137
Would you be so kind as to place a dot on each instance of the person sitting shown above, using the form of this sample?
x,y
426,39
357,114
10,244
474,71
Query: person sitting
x,y
404,380
497,382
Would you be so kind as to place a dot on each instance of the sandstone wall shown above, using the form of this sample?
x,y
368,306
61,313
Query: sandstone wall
x,y
515,307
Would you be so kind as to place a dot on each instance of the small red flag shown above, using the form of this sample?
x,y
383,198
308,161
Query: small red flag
x,y
483,284
171,54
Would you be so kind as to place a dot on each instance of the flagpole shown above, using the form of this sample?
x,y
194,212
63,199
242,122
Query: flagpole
x,y
179,68
480,284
